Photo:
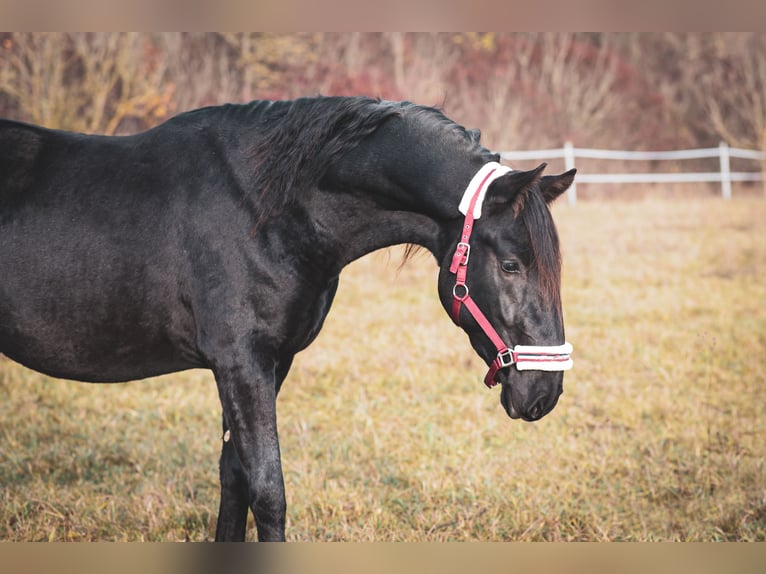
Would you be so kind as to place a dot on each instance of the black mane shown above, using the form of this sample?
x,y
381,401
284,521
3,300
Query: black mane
x,y
291,144
294,142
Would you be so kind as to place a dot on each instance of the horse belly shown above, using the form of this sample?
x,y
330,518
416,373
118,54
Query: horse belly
x,y
93,346
117,364
98,315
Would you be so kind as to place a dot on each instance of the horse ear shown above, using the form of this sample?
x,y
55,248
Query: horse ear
x,y
551,186
513,187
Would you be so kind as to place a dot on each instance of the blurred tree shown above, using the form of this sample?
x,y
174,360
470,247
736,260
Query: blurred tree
x,y
541,88
347,64
735,94
85,82
422,64
714,84
262,59
522,89
203,67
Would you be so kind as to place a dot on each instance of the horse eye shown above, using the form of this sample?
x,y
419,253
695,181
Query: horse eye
x,y
510,267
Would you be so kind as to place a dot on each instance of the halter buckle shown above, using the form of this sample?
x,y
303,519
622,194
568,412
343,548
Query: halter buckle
x,y
467,253
506,358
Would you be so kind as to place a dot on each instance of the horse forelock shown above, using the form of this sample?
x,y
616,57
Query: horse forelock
x,y
535,215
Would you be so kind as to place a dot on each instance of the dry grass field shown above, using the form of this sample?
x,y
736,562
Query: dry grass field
x,y
388,434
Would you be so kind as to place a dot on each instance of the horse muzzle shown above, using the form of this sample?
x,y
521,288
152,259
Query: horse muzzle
x,y
530,395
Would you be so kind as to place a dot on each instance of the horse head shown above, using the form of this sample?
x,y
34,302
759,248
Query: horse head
x,y
500,282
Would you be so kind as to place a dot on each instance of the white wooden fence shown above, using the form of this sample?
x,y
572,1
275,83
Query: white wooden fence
x,y
724,175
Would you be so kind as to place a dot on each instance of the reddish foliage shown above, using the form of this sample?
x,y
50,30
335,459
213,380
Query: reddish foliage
x,y
602,90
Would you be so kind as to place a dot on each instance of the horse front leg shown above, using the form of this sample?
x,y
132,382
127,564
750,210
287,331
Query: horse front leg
x,y
235,498
251,468
232,512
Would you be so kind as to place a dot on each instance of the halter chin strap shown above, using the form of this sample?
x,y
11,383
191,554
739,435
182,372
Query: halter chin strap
x,y
525,357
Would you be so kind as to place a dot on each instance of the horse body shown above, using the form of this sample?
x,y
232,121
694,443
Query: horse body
x,y
216,240
113,250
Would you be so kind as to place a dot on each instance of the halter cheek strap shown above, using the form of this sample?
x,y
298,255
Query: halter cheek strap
x,y
525,357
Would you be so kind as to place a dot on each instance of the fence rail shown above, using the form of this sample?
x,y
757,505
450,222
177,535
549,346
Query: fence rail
x,y
723,152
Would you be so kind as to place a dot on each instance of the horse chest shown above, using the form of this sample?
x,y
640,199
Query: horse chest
x,y
307,325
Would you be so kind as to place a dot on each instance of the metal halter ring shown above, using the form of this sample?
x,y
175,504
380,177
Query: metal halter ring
x,y
463,297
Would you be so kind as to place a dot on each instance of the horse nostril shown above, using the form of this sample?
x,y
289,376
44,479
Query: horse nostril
x,y
536,410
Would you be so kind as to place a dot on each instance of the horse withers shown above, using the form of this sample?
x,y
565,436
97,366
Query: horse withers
x,y
216,240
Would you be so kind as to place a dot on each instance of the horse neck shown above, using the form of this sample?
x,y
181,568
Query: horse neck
x,y
368,209
357,227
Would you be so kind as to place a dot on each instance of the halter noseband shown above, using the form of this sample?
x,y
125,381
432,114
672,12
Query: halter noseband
x,y
525,357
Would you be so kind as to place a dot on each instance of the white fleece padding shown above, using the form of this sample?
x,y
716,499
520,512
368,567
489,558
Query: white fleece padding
x,y
533,357
544,365
496,171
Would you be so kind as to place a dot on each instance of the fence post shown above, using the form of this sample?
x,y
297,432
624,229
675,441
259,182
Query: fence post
x,y
569,163
723,150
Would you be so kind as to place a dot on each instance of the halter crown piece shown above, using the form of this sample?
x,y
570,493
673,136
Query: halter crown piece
x,y
525,357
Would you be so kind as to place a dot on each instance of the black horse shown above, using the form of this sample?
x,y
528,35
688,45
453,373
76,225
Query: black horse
x,y
216,240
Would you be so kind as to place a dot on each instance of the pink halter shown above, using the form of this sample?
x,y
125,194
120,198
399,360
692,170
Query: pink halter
x,y
525,357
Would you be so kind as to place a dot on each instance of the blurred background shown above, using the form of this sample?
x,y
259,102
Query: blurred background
x,y
624,90
660,432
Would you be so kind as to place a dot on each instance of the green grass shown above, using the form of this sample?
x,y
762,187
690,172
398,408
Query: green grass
x,y
388,434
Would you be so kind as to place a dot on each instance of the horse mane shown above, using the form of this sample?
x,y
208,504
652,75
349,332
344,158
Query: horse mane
x,y
535,215
436,116
295,141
